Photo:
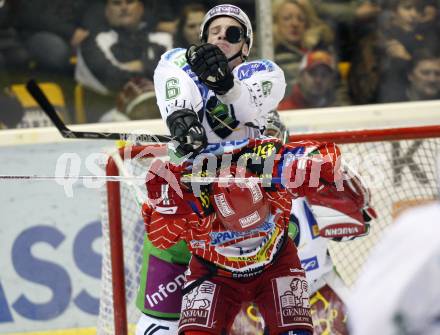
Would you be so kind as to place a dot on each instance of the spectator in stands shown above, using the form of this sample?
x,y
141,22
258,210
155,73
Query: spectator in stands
x,y
423,78
32,115
52,30
364,73
349,19
12,51
136,101
164,15
429,22
430,12
108,59
12,110
296,30
402,38
383,57
317,83
162,18
188,28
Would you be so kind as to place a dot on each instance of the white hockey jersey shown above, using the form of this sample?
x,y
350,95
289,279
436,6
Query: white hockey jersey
x,y
398,291
241,113
312,249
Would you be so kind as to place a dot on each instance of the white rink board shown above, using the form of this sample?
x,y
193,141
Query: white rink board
x,y
406,114
50,243
298,121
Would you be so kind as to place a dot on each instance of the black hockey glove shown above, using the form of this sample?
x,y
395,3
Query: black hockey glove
x,y
210,64
189,132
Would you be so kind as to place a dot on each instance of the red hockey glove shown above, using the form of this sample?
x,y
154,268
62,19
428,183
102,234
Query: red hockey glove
x,y
342,213
165,192
307,174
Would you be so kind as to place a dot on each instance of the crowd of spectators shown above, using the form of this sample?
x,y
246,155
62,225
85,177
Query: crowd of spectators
x,y
106,50
316,84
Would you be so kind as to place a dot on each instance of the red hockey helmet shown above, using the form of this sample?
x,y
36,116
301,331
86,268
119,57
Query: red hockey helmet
x,y
240,206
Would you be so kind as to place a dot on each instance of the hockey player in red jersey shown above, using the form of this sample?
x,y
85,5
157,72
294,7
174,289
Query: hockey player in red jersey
x,y
237,233
309,219
316,220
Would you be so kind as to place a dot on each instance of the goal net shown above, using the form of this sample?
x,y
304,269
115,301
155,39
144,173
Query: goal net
x,y
398,165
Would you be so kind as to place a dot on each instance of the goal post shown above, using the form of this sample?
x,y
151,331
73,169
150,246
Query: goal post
x,y
113,296
402,172
371,135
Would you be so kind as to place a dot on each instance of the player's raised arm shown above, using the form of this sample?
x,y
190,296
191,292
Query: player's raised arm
x,y
343,211
166,212
305,166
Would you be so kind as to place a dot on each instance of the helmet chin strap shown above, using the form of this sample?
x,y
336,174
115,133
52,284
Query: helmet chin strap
x,y
238,54
234,56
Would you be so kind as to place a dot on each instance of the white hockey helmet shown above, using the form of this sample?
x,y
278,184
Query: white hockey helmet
x,y
231,11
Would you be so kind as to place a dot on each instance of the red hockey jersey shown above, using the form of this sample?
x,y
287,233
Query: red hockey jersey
x,y
249,251
206,237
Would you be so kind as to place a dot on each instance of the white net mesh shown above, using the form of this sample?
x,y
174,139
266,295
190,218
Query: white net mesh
x,y
399,173
133,229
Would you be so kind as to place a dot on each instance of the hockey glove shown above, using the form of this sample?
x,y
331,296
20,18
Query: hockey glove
x,y
210,64
344,213
165,192
307,175
185,126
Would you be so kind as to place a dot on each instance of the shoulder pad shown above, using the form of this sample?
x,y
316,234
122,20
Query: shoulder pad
x,y
176,56
248,69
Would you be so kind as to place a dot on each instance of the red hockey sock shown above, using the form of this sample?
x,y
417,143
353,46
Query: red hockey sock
x,y
196,332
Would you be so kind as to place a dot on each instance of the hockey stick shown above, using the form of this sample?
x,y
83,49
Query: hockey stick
x,y
36,92
196,180
80,177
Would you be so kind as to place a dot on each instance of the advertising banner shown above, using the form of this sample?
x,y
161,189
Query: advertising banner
x,y
50,237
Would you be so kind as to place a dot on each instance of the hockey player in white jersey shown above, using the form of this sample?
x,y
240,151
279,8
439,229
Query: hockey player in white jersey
x,y
206,94
209,93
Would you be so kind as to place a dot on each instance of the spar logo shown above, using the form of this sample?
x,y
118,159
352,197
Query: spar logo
x,y
221,237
